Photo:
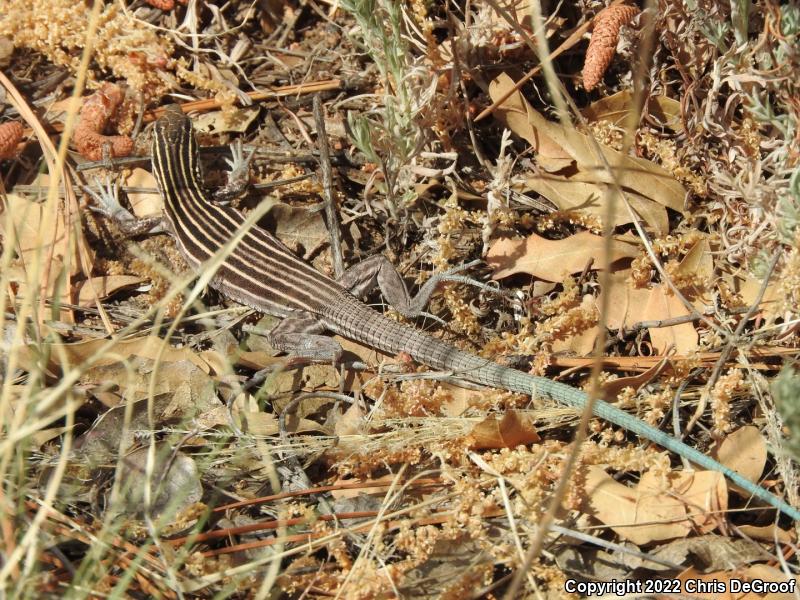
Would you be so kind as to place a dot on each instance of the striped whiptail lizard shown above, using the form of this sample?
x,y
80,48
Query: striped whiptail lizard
x,y
262,273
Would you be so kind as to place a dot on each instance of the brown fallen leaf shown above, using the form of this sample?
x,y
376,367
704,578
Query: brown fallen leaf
x,y
552,260
705,494
744,451
649,512
81,257
590,198
640,519
100,288
769,533
84,293
20,277
698,263
773,574
34,232
217,121
610,389
144,204
78,352
581,344
18,399
462,400
509,432
515,113
351,422
628,306
624,302
662,304
49,239
618,107
597,163
749,287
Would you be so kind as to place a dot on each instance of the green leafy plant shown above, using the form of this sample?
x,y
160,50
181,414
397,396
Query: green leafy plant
x,y
391,135
786,391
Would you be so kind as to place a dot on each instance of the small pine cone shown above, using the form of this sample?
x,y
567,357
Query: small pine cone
x,y
10,136
95,114
607,24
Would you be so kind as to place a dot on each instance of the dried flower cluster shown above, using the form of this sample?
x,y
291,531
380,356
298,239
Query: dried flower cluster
x,y
607,24
97,110
721,396
165,4
57,29
10,136
124,46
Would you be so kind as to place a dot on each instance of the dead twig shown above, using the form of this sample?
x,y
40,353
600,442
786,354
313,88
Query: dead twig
x,y
331,216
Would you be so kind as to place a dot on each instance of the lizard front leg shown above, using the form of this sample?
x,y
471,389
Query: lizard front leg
x,y
106,203
238,175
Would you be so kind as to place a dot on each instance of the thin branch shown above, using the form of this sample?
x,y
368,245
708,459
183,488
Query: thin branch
x,y
331,216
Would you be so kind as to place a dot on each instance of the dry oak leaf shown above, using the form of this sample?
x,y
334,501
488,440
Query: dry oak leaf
x,y
662,304
744,451
593,198
627,306
97,110
552,260
104,352
618,107
10,136
511,431
144,204
515,114
610,389
649,512
603,44
91,290
596,163
34,230
697,266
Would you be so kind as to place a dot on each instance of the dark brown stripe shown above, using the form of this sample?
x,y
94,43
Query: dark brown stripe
x,y
260,267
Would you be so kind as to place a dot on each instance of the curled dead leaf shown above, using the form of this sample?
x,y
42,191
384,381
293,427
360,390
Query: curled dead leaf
x,y
510,431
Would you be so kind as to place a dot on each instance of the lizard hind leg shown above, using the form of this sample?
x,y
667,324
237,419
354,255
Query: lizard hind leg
x,y
361,278
299,335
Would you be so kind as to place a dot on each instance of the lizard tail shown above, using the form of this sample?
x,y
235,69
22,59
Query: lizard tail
x,y
487,372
